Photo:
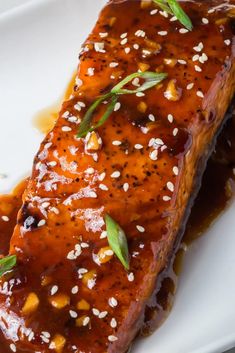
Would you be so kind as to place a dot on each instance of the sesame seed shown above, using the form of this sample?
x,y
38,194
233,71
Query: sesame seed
x,y
116,143
102,176
140,33
99,47
74,290
90,71
164,14
113,323
199,47
103,34
113,302
170,186
112,338
115,174
170,118
227,41
200,94
166,198
12,347
96,312
93,194
90,171
123,35
126,187
65,114
54,290
195,57
175,131
153,12
162,33
190,86
73,314
103,234
66,128
203,58
176,170
5,218
136,46
174,18
86,321
131,277
205,21
127,50
103,314
103,187
140,229
52,163
158,141
124,41
211,11
117,106
183,30
45,204
113,64
151,117
138,146
183,62
140,94
153,155
109,253
41,223
197,68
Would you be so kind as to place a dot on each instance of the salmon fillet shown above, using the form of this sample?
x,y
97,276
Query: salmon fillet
x,y
69,292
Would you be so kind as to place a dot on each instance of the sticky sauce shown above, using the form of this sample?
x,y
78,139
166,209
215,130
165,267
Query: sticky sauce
x,y
45,119
216,193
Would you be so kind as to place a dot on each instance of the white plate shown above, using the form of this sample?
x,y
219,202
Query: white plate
x,y
39,44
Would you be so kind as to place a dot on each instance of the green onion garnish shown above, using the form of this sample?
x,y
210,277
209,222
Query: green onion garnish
x,y
173,8
151,79
117,241
7,263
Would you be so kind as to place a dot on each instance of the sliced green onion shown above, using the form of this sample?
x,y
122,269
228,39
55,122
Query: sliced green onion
x,y
7,263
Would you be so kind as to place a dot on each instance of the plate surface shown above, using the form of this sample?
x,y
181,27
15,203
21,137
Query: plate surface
x,y
38,53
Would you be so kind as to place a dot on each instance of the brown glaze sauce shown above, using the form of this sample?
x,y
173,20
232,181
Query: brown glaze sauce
x,y
216,193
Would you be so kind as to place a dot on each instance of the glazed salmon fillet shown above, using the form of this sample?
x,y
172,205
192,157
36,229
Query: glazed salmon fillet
x,y
69,292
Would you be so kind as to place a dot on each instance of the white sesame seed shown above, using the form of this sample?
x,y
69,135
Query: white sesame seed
x,y
54,290
113,302
158,142
117,106
170,186
174,18
190,86
227,42
73,314
197,68
200,94
183,30
140,94
113,64
211,11
123,35
45,204
99,47
112,338
151,117
199,47
103,187
153,12
115,174
86,321
113,323
126,187
52,163
103,34
175,131
74,290
90,71
41,223
103,234
136,46
131,277
90,171
96,312
140,229
5,219
127,50
203,58
13,347
124,41
164,14
153,155
170,118
116,143
140,33
195,57
65,114
183,62
103,314
138,146
176,170
109,253
93,194
205,21
162,33
166,198
66,128
102,176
